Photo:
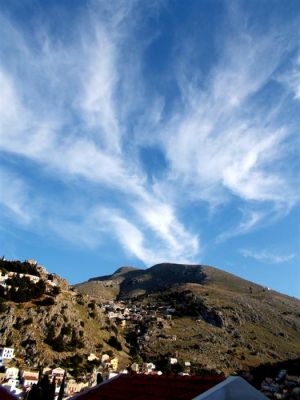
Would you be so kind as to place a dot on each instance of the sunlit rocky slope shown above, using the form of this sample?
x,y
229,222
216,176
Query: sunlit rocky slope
x,y
198,314
48,322
219,322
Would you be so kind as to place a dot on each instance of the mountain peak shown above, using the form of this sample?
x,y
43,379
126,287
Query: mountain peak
x,y
125,269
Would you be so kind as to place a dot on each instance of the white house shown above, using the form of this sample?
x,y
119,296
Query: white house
x,y
73,387
12,373
104,358
3,277
32,262
6,353
92,357
148,367
30,377
58,374
13,383
135,367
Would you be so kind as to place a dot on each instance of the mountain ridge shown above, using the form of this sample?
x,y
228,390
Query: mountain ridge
x,y
196,313
208,271
220,320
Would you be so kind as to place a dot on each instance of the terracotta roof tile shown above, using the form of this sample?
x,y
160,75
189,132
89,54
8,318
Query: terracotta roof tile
x,y
144,387
5,395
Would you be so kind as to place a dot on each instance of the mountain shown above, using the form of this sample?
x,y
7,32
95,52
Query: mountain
x,y
128,282
211,318
48,323
200,315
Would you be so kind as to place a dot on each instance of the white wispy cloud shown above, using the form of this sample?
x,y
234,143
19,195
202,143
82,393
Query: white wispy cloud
x,y
95,154
160,218
80,110
221,145
250,220
151,250
267,256
15,200
291,78
99,81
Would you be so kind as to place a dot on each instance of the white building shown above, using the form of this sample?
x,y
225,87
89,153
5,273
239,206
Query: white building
x,y
148,367
92,357
58,374
13,383
12,373
30,377
135,367
104,358
6,353
3,277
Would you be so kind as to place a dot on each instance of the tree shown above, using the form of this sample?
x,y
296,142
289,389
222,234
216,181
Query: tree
x,y
47,388
113,342
99,378
62,388
35,393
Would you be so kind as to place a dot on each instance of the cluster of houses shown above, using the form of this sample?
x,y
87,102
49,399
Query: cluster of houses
x,y
284,386
50,280
124,314
19,381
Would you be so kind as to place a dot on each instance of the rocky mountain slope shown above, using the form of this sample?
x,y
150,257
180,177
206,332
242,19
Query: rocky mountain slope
x,y
51,325
216,320
197,314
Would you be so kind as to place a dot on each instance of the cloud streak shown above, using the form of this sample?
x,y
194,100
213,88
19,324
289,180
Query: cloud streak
x,y
85,109
265,256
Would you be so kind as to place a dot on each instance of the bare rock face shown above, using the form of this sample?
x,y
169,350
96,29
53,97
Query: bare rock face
x,y
56,325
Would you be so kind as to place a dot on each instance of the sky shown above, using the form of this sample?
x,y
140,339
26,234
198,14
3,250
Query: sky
x,y
139,132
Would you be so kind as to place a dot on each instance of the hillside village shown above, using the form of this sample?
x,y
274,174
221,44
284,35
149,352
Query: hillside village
x,y
124,335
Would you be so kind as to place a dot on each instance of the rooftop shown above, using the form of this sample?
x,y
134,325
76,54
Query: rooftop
x,y
5,395
143,387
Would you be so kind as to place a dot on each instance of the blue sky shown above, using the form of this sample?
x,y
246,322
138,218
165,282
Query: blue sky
x,y
137,132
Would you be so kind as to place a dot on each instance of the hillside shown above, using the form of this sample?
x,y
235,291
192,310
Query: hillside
x,y
46,321
211,319
217,320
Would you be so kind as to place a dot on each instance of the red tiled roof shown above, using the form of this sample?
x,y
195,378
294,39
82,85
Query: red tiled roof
x,y
30,377
144,387
5,395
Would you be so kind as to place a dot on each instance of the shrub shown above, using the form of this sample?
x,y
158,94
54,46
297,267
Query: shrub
x,y
66,330
55,291
47,301
18,324
92,305
113,342
18,266
23,289
3,306
79,299
58,344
